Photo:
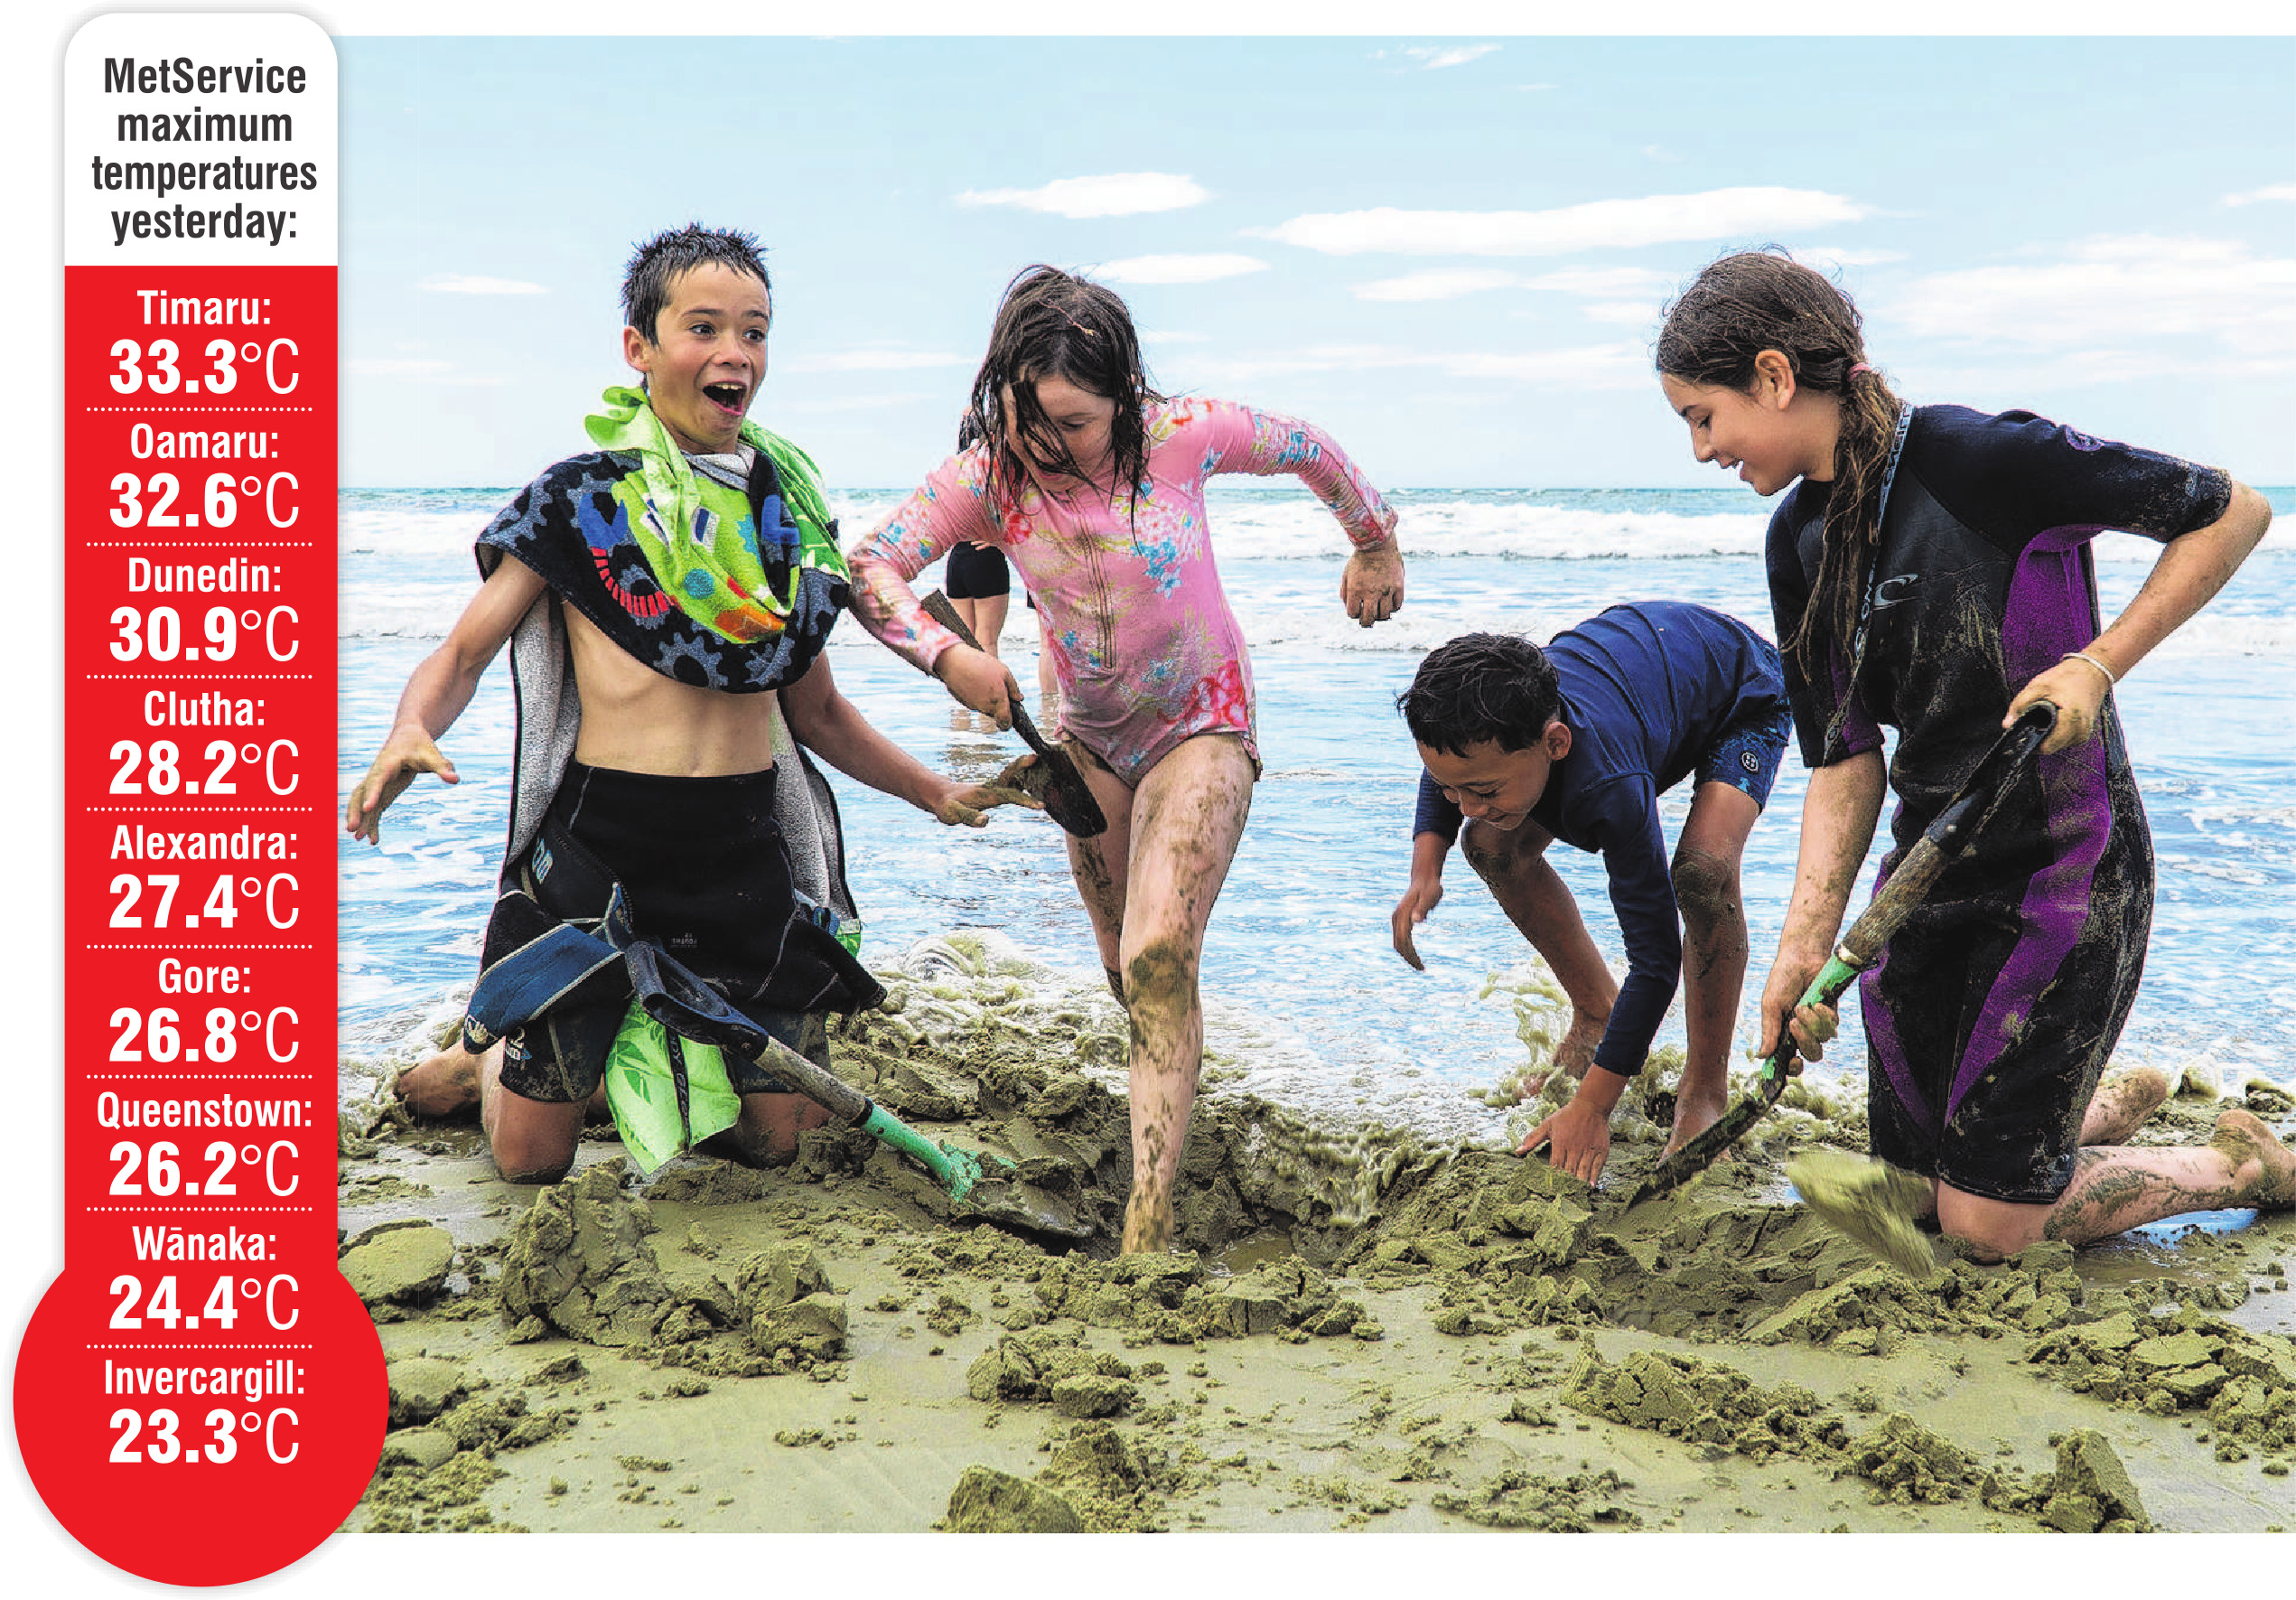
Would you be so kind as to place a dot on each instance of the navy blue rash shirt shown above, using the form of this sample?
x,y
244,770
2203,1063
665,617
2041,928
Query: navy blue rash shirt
x,y
1648,687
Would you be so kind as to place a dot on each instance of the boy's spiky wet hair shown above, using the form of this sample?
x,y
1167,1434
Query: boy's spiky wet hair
x,y
655,264
1482,688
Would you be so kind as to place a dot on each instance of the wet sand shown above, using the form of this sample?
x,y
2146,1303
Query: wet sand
x,y
1363,1333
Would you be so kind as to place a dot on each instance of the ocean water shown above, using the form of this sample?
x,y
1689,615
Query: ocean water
x,y
1306,1001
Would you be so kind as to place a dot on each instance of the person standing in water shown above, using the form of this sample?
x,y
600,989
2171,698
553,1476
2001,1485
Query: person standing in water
x,y
1093,483
980,588
1929,570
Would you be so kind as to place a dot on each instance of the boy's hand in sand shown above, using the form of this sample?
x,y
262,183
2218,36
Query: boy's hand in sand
x,y
980,681
407,754
1371,585
965,806
1579,1133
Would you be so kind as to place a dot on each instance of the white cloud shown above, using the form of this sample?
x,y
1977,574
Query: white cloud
x,y
815,406
1597,366
1177,269
1614,224
1630,312
1431,58
1448,283
1440,283
875,361
2111,297
459,283
1110,194
1605,366
2269,192
1834,257
418,370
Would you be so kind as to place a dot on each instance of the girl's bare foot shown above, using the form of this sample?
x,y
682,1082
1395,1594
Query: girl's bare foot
x,y
2263,1169
2122,1104
1148,1223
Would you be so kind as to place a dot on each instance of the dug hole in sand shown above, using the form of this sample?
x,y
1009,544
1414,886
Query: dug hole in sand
x,y
1362,1331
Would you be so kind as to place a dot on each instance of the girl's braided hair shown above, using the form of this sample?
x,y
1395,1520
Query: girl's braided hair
x,y
1057,324
1759,300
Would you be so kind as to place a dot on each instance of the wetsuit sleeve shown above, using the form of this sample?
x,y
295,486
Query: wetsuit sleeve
x,y
952,505
2017,477
1642,894
1237,439
1435,814
1814,704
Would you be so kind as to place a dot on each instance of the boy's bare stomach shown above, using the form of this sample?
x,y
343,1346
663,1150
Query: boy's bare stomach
x,y
635,720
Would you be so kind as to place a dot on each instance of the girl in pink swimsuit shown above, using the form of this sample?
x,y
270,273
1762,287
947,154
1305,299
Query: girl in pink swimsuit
x,y
1093,484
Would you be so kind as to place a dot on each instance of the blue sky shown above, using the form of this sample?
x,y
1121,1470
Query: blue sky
x,y
1453,252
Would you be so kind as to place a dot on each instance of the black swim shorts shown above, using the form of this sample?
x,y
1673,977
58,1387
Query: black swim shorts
x,y
708,877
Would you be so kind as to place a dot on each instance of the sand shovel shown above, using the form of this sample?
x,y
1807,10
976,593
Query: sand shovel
x,y
1963,817
1066,799
985,1185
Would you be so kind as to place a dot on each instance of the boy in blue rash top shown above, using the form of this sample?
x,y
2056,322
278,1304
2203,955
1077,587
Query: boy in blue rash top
x,y
1576,742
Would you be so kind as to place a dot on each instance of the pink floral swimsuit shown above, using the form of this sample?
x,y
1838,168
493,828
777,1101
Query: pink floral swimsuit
x,y
1144,645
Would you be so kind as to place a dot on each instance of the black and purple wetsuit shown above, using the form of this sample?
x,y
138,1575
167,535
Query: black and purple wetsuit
x,y
1995,1007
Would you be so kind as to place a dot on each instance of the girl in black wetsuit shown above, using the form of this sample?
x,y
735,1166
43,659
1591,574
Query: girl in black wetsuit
x,y
1930,571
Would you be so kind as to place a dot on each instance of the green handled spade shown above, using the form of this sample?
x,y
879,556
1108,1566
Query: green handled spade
x,y
1860,947
984,1185
980,1182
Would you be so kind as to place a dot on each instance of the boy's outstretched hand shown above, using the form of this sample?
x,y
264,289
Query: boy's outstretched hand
x,y
405,755
1421,897
966,806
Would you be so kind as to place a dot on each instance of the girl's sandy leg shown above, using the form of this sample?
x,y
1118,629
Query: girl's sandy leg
x,y
1187,818
2115,1188
2122,1104
1101,865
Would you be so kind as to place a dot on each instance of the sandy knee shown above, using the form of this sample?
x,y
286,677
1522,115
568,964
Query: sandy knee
x,y
1988,1231
1706,888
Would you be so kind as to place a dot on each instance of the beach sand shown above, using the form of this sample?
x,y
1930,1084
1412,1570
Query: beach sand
x,y
1365,1333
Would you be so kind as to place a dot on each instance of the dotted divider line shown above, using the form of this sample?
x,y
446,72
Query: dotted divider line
x,y
227,1205
173,544
224,804
193,409
226,948
177,678
201,1344
178,1077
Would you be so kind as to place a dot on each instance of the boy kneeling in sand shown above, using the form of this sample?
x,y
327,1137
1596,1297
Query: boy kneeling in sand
x,y
1576,742
666,597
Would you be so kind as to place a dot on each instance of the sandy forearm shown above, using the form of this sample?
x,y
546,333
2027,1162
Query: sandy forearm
x,y
1838,818
832,727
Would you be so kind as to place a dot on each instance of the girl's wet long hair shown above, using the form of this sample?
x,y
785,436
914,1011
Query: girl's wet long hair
x,y
1759,300
1057,324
